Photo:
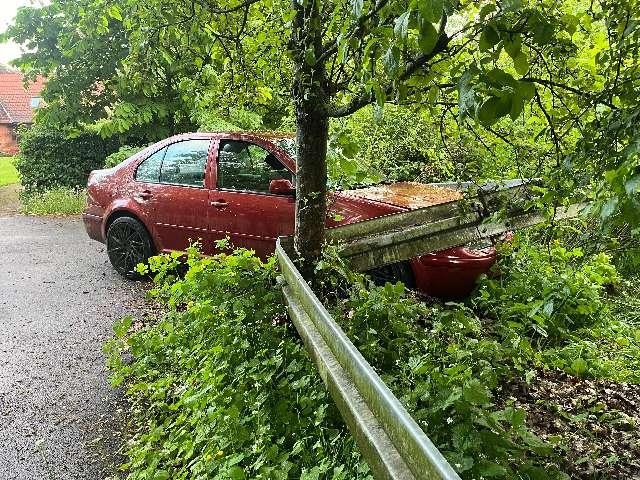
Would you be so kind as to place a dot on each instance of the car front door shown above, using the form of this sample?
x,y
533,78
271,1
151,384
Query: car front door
x,y
241,205
174,194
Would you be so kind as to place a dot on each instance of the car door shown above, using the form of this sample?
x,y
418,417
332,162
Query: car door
x,y
241,205
174,195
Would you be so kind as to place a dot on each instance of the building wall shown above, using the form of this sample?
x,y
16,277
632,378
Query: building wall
x,y
8,140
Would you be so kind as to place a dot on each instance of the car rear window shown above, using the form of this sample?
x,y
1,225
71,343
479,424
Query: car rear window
x,y
149,170
185,163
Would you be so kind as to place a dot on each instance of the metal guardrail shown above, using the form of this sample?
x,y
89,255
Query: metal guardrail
x,y
392,442
398,245
513,192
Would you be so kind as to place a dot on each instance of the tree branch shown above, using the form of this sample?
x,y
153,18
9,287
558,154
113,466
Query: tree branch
x,y
577,91
332,47
366,98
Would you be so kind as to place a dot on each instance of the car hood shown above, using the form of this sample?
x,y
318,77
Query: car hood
x,y
351,206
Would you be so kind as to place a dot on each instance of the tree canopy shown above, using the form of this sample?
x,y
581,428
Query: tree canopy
x,y
565,72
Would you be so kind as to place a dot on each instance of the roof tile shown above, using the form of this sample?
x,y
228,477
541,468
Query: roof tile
x,y
15,100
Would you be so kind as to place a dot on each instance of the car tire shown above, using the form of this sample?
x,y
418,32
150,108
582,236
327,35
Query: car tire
x,y
400,271
128,243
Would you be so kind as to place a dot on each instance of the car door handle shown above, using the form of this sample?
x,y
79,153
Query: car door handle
x,y
144,195
219,203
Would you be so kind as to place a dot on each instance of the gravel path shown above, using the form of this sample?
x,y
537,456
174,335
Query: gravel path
x,y
59,418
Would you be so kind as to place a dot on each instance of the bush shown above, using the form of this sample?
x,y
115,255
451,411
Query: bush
x,y
448,370
50,159
58,201
221,387
546,293
121,155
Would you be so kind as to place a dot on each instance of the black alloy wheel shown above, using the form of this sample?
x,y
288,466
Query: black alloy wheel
x,y
128,244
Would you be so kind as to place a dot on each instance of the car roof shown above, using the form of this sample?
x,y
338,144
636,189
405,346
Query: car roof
x,y
264,135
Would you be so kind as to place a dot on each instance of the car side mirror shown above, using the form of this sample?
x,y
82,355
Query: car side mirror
x,y
282,186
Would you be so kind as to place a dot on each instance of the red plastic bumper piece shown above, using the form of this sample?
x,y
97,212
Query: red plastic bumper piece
x,y
452,273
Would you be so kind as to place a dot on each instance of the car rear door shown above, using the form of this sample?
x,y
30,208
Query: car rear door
x,y
175,197
241,206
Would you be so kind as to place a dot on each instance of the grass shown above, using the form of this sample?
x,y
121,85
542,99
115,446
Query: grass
x,y
8,173
58,201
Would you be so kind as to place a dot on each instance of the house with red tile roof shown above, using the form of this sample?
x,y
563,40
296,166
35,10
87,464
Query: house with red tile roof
x,y
17,107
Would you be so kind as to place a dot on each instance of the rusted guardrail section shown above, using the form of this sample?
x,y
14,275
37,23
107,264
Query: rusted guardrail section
x,y
512,192
391,441
397,245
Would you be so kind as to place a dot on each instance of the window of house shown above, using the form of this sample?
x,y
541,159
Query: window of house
x,y
35,102
249,167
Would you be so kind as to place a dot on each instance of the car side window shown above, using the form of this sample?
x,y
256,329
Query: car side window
x,y
246,166
185,163
149,170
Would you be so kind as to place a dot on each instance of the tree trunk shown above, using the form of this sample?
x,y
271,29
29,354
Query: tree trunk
x,y
312,131
311,188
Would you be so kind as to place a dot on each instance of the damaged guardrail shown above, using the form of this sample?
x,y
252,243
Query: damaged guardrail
x,y
400,236
392,442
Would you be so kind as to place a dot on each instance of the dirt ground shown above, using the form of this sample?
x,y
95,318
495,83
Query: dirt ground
x,y
9,200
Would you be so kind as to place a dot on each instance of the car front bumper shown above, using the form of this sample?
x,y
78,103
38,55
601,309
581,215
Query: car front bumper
x,y
451,273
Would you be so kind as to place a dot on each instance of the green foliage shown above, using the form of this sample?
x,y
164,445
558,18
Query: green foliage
x,y
221,387
57,201
545,294
8,172
120,156
610,348
49,158
448,367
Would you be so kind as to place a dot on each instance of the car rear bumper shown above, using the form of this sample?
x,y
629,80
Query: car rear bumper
x,y
451,273
93,226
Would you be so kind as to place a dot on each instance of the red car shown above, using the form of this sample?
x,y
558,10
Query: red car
x,y
209,186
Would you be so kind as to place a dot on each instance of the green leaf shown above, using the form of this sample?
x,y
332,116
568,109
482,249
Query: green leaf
x,y
500,78
114,12
511,5
489,469
608,208
401,25
542,30
513,45
579,366
428,37
526,90
431,10
356,7
236,473
632,185
391,58
489,38
475,392
432,96
521,63
486,10
121,327
493,108
310,56
466,92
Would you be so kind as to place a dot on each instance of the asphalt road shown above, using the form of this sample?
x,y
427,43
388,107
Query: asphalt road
x,y
59,418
